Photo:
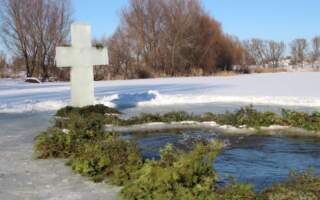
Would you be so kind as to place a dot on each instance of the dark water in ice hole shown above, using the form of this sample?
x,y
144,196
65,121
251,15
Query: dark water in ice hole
x,y
256,159
259,160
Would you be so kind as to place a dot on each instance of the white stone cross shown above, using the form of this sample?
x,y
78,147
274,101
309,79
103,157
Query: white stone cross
x,y
81,57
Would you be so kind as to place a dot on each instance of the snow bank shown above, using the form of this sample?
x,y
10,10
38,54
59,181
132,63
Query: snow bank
x,y
43,106
32,80
274,130
160,126
281,89
161,99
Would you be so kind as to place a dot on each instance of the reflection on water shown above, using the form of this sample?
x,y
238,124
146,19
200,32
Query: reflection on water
x,y
259,160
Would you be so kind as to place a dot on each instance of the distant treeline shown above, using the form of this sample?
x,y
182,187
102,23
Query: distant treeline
x,y
178,38
155,38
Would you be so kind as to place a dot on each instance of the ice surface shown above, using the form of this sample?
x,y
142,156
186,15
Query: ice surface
x,y
281,89
23,177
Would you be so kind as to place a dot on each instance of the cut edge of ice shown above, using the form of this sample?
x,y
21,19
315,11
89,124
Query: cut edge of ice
x,y
273,130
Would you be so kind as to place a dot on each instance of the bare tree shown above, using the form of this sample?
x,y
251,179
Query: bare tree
x,y
256,48
275,51
33,29
315,51
3,63
299,49
142,23
14,30
184,35
16,65
120,53
248,55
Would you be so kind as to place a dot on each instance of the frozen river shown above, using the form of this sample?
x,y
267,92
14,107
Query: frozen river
x,y
26,110
278,89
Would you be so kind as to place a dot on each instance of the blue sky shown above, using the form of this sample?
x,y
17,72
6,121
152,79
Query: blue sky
x,y
267,19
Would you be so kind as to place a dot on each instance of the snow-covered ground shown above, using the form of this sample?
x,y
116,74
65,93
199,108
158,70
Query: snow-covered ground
x,y
281,89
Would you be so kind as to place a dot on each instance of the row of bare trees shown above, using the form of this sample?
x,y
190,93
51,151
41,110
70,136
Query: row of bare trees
x,y
268,52
263,52
154,38
170,38
32,29
302,51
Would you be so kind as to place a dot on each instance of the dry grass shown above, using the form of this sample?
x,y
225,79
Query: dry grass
x,y
226,73
8,75
310,69
268,70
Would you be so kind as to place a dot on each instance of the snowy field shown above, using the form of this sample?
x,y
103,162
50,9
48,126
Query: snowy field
x,y
279,89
